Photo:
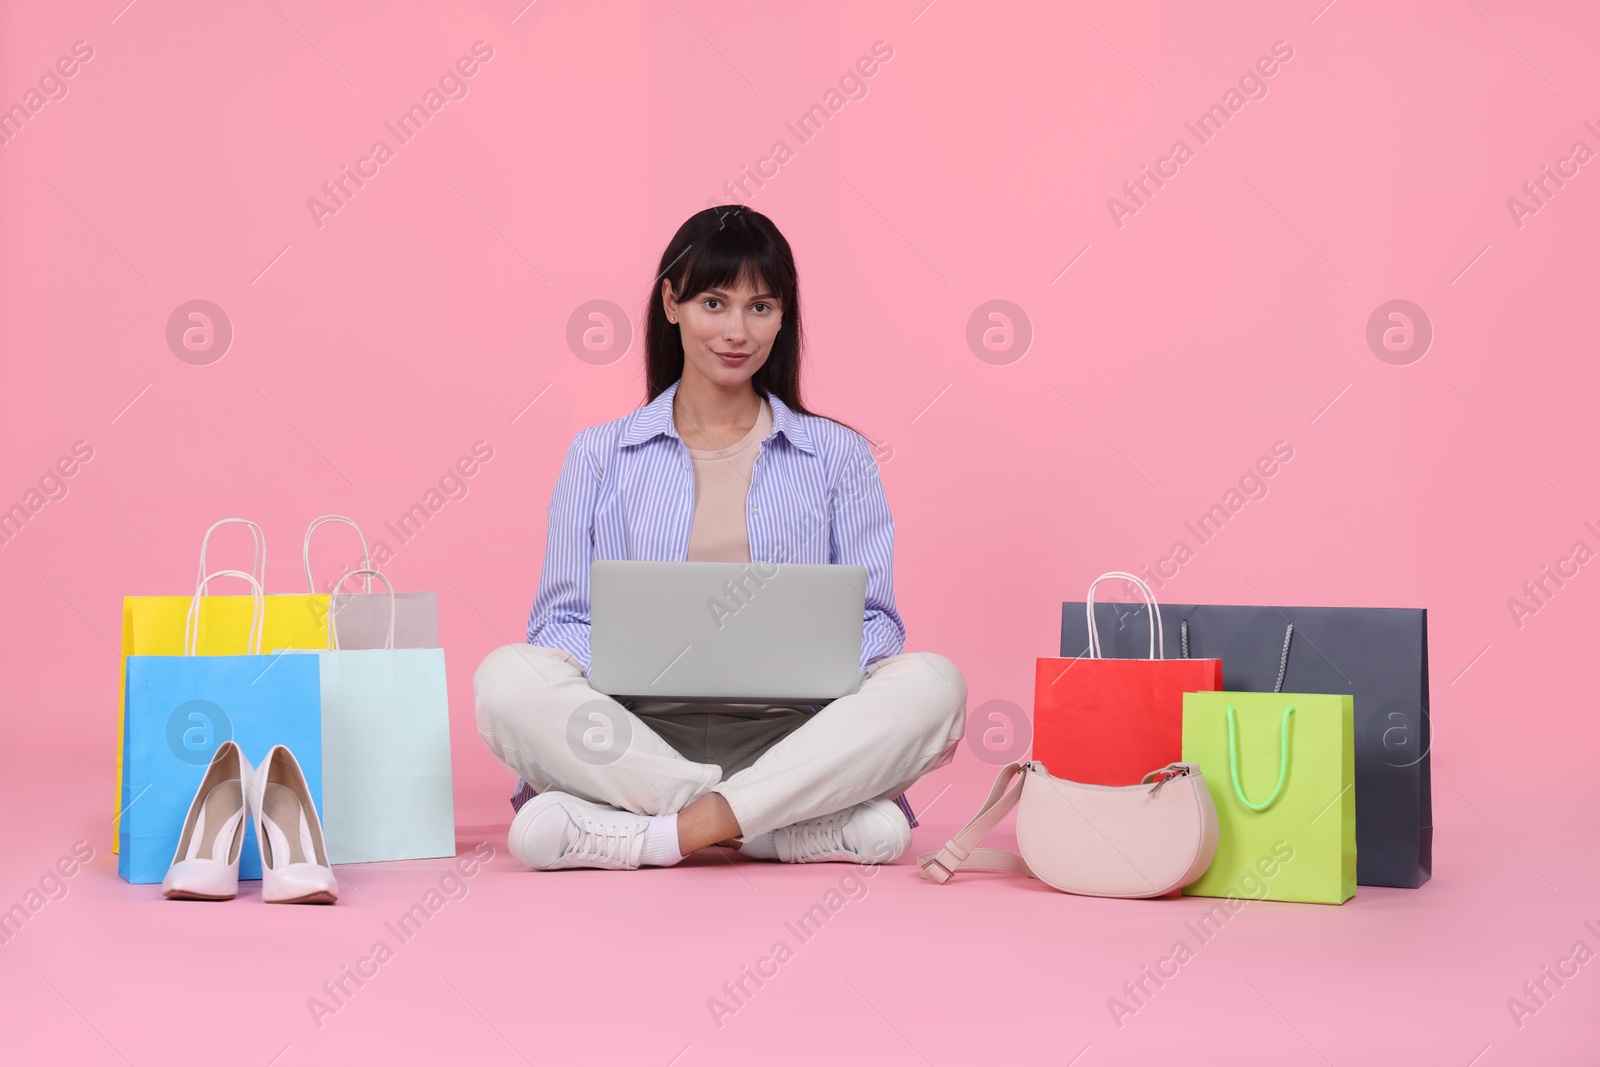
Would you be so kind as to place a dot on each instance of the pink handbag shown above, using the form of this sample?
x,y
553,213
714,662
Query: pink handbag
x,y
1130,841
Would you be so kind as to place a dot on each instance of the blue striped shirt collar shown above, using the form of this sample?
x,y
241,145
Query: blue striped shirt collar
x,y
656,418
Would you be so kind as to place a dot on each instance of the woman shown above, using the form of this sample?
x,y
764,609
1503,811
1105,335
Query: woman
x,y
723,462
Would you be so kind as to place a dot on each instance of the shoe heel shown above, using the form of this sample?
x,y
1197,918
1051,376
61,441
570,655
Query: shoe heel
x,y
294,858
205,865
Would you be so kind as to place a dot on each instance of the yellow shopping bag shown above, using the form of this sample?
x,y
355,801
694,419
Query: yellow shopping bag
x,y
154,625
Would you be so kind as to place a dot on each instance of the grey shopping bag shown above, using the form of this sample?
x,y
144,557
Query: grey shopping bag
x,y
1377,655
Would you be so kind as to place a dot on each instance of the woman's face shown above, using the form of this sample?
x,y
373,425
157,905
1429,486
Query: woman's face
x,y
727,333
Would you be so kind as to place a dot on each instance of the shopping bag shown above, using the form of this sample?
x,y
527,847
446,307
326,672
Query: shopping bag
x,y
1281,767
386,784
1378,655
154,625
179,708
363,618
1108,721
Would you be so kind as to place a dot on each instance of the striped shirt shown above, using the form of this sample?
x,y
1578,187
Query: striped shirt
x,y
626,491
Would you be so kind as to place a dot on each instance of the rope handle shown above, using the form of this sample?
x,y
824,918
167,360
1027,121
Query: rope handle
x,y
305,552
1283,761
1283,660
191,621
258,569
333,603
1158,636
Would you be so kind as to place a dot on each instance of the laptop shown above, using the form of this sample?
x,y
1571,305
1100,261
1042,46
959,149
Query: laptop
x,y
729,632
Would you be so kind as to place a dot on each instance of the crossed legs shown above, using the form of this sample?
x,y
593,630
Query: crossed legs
x,y
537,713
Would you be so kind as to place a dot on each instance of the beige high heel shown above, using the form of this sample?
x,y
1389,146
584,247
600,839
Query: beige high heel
x,y
294,860
205,865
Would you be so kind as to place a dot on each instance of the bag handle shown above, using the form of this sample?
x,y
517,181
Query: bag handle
x,y
1283,761
333,603
958,852
1283,659
191,621
366,556
258,569
1158,636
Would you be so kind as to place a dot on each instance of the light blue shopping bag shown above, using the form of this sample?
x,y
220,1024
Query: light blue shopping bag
x,y
180,708
387,790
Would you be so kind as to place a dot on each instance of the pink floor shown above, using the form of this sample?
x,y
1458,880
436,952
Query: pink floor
x,y
1156,356
603,967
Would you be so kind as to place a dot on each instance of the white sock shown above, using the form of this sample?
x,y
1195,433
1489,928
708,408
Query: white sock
x,y
761,847
661,842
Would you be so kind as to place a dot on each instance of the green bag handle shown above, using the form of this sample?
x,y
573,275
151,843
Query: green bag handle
x,y
1283,760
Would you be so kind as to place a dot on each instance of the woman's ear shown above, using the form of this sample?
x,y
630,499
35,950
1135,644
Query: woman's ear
x,y
668,301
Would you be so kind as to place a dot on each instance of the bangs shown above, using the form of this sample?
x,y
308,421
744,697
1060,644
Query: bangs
x,y
730,253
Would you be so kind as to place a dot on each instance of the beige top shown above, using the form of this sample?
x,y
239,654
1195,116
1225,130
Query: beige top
x,y
721,492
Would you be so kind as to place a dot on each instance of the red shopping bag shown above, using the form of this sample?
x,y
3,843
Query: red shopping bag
x,y
1108,721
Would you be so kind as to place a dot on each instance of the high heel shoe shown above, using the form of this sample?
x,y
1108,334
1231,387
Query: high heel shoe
x,y
294,860
205,865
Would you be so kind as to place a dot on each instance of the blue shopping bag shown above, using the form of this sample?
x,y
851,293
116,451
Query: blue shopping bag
x,y
180,708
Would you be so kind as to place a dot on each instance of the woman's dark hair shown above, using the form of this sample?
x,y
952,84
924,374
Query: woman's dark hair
x,y
711,251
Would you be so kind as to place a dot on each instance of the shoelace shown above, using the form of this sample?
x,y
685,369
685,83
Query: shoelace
x,y
601,840
821,837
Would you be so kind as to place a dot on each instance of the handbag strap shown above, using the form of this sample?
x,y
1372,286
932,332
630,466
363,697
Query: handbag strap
x,y
958,853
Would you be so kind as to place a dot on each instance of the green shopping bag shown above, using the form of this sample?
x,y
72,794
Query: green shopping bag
x,y
1281,768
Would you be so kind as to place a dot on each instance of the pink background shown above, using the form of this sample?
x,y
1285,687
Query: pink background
x,y
1229,313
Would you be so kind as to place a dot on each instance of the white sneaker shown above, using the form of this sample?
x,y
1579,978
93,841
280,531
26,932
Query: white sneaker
x,y
872,832
557,830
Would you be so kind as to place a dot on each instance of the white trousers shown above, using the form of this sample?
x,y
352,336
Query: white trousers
x,y
538,714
